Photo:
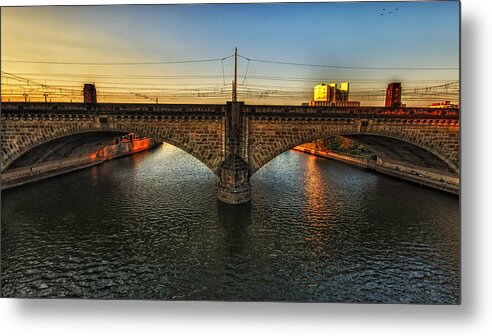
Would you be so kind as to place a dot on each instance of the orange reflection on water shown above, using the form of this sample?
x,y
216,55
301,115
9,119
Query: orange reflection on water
x,y
318,213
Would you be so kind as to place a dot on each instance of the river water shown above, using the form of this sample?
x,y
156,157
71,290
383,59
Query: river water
x,y
149,226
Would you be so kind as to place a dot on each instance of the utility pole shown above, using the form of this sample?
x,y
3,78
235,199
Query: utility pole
x,y
234,84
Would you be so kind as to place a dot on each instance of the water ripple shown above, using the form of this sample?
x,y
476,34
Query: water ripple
x,y
149,226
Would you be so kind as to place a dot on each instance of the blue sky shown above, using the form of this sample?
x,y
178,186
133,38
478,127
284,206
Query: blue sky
x,y
418,34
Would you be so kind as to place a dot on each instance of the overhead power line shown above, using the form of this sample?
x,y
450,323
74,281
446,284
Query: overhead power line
x,y
199,76
345,67
119,63
114,87
249,59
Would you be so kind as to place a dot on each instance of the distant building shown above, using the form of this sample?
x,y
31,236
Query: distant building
x,y
321,92
443,104
393,95
329,95
90,96
342,94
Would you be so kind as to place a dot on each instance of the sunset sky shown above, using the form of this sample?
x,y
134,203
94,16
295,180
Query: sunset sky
x,y
121,42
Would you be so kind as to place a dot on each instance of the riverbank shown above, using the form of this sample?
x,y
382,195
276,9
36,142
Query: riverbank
x,y
28,174
444,181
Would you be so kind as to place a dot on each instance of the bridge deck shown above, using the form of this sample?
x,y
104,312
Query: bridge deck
x,y
214,109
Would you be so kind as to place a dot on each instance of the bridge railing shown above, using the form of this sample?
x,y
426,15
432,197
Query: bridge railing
x,y
356,111
106,108
146,109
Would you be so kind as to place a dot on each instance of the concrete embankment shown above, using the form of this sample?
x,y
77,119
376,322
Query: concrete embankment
x,y
445,181
22,175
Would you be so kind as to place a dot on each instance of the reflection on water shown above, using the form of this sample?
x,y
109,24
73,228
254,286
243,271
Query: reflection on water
x,y
150,226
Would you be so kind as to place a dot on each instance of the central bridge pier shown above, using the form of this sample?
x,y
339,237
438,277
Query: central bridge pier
x,y
234,172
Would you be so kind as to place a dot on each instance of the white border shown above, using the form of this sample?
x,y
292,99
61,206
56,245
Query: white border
x,y
473,317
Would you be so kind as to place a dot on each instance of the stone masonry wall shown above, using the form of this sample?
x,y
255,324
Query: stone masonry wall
x,y
200,130
199,136
440,137
269,137
20,133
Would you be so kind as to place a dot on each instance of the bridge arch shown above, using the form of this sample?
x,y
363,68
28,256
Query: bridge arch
x,y
430,151
80,139
184,146
12,150
202,140
270,139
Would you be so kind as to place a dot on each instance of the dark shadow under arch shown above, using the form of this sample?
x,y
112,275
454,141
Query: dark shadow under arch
x,y
392,149
64,146
429,159
80,143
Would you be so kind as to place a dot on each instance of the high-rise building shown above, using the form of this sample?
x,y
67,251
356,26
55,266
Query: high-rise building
x,y
326,92
333,92
393,95
329,95
321,92
342,94
90,96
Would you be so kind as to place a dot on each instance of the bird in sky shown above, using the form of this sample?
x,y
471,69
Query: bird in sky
x,y
384,12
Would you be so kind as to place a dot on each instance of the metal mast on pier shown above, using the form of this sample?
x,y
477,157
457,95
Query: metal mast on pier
x,y
234,83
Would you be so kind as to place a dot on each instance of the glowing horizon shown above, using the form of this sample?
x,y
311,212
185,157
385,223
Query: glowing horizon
x,y
420,35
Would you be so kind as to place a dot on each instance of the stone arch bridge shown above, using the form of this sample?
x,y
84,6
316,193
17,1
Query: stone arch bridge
x,y
234,140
